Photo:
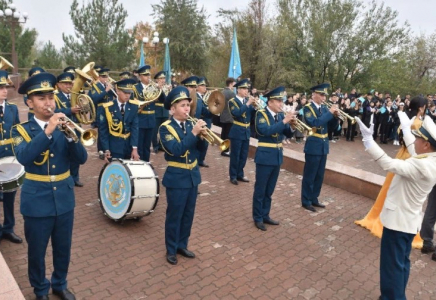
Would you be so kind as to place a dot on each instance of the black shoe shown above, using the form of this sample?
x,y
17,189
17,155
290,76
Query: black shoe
x,y
310,207
64,294
271,221
234,181
78,183
12,237
243,179
227,154
101,155
172,259
260,226
433,256
427,249
186,253
318,205
204,165
44,297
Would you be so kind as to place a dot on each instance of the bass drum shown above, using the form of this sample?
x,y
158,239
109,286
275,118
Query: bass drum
x,y
128,189
11,174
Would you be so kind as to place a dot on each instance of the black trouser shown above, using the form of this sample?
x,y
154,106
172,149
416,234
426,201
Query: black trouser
x,y
350,131
427,227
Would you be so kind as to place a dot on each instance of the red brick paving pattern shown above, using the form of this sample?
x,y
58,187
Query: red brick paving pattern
x,y
309,256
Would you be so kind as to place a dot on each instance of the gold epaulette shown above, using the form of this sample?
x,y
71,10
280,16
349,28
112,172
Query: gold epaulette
x,y
308,104
421,156
166,122
261,109
22,131
55,92
134,101
108,104
11,103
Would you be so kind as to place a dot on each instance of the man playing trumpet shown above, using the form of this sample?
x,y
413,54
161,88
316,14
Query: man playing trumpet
x,y
271,125
317,146
179,137
47,193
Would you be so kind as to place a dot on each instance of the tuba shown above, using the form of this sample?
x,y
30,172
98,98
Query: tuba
x,y
87,109
215,101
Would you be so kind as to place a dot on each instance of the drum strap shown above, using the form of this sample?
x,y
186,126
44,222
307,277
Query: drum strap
x,y
27,138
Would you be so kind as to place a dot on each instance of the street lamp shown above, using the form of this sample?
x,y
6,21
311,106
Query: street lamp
x,y
12,17
154,42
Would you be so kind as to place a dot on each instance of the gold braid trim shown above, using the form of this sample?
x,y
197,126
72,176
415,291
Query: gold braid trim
x,y
59,102
174,133
115,130
27,138
94,85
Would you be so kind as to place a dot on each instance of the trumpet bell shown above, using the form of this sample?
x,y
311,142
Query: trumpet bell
x,y
5,64
89,137
224,145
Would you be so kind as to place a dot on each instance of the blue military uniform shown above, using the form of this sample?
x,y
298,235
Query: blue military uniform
x,y
125,75
316,148
161,113
118,131
70,69
239,133
182,176
202,112
99,97
63,105
269,155
32,71
47,194
146,119
8,118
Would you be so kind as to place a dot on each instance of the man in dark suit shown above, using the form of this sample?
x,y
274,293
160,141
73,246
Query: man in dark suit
x,y
242,110
8,118
316,148
47,194
271,126
179,137
118,126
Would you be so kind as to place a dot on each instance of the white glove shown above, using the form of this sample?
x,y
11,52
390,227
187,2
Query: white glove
x,y
406,123
367,133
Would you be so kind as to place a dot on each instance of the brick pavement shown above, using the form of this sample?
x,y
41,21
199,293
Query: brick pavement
x,y
309,256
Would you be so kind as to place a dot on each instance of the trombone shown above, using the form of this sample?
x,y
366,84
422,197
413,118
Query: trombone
x,y
342,115
211,137
87,137
300,125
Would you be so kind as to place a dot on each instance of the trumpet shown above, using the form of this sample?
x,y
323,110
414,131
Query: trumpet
x,y
258,103
300,125
342,115
87,137
211,137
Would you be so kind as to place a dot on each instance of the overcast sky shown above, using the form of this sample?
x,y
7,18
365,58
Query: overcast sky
x,y
51,17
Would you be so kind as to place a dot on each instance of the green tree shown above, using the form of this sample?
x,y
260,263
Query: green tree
x,y
338,40
184,23
48,57
100,35
24,40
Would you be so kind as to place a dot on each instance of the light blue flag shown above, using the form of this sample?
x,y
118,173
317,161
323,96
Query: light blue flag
x,y
235,69
142,56
167,63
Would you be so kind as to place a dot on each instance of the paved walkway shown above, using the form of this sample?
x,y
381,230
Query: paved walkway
x,y
309,256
